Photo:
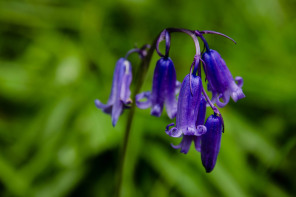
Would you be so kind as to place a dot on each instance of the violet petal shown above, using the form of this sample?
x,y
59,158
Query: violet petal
x,y
143,104
173,132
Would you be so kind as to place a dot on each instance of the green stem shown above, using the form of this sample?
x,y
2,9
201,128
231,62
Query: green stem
x,y
141,74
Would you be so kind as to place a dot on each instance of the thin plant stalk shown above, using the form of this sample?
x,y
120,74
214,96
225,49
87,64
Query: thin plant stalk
x,y
141,74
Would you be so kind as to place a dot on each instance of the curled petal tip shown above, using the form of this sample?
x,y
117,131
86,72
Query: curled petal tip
x,y
198,131
237,95
201,129
156,111
169,125
143,104
225,97
176,146
173,132
239,81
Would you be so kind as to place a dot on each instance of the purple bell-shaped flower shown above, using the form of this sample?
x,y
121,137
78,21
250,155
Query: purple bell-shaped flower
x,y
221,83
187,139
190,114
164,89
120,92
210,142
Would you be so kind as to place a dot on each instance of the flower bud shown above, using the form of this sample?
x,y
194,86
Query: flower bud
x,y
210,142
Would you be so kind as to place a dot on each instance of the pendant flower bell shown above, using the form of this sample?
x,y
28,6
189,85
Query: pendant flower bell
x,y
221,83
164,90
120,92
187,139
188,112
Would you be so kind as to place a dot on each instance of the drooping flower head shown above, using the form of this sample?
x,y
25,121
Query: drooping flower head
x,y
210,142
221,83
120,92
189,122
190,109
164,89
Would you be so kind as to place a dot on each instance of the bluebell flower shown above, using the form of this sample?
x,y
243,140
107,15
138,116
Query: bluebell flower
x,y
221,83
164,89
120,92
210,142
190,114
187,139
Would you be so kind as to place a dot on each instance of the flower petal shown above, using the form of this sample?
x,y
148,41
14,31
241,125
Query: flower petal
x,y
177,146
156,110
173,132
178,87
239,81
225,98
158,89
171,108
143,104
170,90
201,111
115,83
105,108
188,104
236,92
116,112
197,143
200,130
126,82
237,95
186,142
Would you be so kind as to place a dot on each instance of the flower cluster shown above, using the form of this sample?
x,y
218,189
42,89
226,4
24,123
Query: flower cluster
x,y
191,105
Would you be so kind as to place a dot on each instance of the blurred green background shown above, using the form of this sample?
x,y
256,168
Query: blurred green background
x,y
57,57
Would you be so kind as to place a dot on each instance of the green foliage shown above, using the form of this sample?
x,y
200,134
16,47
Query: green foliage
x,y
56,57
